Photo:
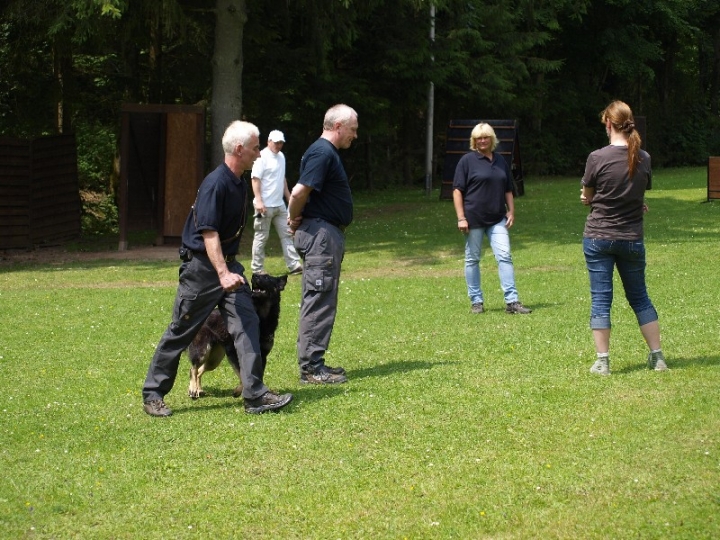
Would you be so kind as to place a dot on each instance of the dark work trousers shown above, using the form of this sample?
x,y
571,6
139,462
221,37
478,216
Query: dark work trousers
x,y
322,248
199,291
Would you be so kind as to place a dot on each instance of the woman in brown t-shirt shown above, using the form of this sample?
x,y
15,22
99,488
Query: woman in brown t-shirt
x,y
614,184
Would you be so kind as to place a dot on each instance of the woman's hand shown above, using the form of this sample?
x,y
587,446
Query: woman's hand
x,y
510,217
463,226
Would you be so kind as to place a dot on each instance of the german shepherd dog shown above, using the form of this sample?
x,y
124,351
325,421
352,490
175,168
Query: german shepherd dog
x,y
213,342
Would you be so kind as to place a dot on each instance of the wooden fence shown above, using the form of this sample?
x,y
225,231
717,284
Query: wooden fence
x,y
39,192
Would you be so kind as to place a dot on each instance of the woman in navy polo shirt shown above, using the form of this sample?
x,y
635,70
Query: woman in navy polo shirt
x,y
483,198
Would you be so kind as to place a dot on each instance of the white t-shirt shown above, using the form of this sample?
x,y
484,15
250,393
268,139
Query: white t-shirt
x,y
270,169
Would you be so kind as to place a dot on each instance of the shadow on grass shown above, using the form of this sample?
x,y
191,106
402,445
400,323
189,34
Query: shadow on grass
x,y
307,394
384,370
676,363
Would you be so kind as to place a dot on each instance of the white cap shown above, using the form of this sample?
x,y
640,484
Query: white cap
x,y
276,136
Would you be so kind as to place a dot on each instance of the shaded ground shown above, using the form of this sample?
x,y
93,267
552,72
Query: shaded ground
x,y
62,255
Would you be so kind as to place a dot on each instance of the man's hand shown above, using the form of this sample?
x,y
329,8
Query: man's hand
x,y
293,224
231,282
259,207
298,198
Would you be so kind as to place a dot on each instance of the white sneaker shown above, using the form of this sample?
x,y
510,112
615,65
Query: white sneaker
x,y
601,366
657,361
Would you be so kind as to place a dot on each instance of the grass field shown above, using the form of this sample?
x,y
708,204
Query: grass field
x,y
452,425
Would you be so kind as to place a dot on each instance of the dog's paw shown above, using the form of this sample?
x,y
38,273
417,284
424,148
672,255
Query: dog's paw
x,y
238,391
195,392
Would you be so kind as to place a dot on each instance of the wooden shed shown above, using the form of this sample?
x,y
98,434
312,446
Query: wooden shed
x,y
162,162
457,145
39,191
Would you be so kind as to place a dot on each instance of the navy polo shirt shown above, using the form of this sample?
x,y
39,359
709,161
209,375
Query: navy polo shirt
x,y
322,170
483,183
220,206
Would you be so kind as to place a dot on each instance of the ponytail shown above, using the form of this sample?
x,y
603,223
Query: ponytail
x,y
621,118
634,143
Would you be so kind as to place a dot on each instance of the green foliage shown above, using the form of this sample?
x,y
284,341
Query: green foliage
x,y
551,64
452,425
96,147
99,216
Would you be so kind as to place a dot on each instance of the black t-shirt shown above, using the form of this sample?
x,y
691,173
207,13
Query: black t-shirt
x,y
483,184
322,170
220,206
617,205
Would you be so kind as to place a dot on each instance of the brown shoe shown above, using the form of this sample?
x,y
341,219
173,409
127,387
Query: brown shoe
x,y
517,307
156,407
267,402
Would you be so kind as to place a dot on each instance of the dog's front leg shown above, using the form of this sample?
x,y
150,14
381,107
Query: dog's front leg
x,y
195,388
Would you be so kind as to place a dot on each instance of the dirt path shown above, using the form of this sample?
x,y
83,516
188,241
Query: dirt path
x,y
60,255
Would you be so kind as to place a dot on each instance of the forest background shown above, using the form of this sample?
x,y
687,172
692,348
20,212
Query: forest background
x,y
67,66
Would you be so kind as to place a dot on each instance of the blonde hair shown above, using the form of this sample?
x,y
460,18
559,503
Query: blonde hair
x,y
483,130
621,118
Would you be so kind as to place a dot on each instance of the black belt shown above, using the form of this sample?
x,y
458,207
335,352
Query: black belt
x,y
187,255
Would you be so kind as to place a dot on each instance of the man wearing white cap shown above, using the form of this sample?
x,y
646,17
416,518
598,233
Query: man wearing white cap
x,y
270,188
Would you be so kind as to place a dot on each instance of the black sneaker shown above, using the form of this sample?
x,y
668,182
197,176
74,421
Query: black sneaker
x,y
267,402
517,307
335,370
156,407
322,375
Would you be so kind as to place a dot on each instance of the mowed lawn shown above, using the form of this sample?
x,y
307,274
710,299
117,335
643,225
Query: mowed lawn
x,y
452,425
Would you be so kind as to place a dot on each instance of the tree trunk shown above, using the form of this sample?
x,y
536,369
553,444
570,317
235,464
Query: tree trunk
x,y
155,57
62,67
714,91
227,63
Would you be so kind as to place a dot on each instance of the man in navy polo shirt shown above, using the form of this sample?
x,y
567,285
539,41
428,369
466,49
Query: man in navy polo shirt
x,y
319,210
211,276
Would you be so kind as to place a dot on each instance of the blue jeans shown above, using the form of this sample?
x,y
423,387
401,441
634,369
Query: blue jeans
x,y
601,258
500,244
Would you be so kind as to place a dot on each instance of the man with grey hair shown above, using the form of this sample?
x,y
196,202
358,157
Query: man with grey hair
x,y
319,210
210,276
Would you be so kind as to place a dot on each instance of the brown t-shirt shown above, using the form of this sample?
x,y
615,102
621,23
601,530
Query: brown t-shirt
x,y
617,206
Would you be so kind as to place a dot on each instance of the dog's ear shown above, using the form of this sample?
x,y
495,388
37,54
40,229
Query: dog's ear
x,y
282,281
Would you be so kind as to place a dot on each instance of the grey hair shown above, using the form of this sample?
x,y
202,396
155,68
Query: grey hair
x,y
338,113
238,132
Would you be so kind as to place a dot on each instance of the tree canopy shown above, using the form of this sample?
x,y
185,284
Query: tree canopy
x,y
69,65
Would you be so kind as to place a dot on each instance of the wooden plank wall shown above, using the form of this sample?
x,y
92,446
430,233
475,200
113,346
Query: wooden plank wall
x,y
39,192
14,193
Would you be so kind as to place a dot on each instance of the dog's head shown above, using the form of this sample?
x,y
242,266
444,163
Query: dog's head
x,y
263,284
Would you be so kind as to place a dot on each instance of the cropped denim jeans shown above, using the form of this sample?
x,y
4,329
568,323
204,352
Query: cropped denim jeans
x,y
500,245
601,258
